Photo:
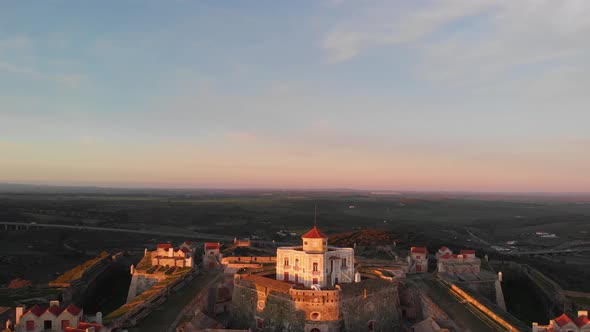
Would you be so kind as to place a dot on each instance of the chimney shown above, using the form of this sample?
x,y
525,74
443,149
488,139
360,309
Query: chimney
x,y
99,318
19,313
583,313
53,303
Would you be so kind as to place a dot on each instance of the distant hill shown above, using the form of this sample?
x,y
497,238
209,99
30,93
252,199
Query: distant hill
x,y
362,238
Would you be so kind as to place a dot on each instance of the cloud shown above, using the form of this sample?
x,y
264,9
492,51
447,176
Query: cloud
x,y
464,43
18,42
401,25
68,80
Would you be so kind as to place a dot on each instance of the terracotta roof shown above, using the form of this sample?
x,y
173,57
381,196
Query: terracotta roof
x,y
444,249
164,245
211,245
581,321
35,310
418,250
562,320
314,233
74,310
467,252
55,310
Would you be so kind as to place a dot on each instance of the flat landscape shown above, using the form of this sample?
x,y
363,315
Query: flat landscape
x,y
498,225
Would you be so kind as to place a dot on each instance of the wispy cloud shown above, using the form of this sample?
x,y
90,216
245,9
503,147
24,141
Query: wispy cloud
x,y
491,38
68,80
390,23
21,47
17,42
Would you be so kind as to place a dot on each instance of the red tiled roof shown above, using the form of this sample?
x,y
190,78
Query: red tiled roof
x,y
164,245
418,250
314,233
562,320
581,321
35,310
211,245
467,252
74,310
55,310
443,249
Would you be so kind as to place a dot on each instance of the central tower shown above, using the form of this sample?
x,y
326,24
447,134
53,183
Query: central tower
x,y
315,241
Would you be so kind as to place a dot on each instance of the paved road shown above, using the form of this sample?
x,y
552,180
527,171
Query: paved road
x,y
186,235
546,251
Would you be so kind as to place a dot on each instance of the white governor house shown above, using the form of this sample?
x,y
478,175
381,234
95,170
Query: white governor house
x,y
315,263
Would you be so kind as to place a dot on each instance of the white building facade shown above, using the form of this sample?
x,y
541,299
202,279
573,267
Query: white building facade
x,y
315,263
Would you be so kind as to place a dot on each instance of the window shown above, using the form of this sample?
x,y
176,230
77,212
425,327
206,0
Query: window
x,y
286,261
47,325
259,323
65,323
315,267
30,325
344,262
296,261
286,276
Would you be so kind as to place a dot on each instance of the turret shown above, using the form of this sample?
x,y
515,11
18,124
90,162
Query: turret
x,y
315,241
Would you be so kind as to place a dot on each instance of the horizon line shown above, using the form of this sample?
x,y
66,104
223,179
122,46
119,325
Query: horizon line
x,y
308,189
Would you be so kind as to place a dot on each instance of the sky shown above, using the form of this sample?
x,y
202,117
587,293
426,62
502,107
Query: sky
x,y
400,95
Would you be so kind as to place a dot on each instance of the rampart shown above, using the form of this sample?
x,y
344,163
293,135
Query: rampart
x,y
76,282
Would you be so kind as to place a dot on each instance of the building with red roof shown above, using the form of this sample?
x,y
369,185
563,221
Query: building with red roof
x,y
52,318
453,264
418,260
564,323
166,255
314,262
443,251
212,254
